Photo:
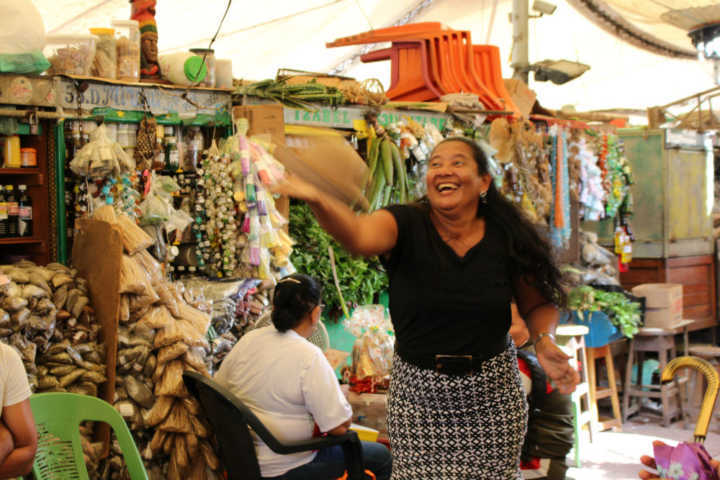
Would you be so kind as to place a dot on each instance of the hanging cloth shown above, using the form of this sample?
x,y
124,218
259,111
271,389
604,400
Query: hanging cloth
x,y
560,225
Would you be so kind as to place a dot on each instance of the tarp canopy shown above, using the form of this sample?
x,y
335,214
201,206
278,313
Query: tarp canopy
x,y
261,37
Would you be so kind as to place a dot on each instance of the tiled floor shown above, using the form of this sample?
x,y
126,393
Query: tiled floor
x,y
616,455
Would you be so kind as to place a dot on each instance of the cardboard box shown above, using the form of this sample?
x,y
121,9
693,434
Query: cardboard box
x,y
663,302
263,119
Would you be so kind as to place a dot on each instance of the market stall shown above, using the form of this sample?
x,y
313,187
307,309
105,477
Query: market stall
x,y
141,238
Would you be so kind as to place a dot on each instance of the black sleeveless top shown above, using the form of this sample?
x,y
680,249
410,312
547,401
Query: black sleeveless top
x,y
441,303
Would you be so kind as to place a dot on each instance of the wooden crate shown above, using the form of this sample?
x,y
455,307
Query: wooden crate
x,y
697,276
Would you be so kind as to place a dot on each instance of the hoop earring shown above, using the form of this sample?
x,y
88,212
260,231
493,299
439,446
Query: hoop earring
x,y
483,197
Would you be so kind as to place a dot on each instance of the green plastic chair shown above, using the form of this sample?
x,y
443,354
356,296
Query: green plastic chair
x,y
59,453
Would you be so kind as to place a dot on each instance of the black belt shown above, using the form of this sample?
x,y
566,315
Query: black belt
x,y
455,364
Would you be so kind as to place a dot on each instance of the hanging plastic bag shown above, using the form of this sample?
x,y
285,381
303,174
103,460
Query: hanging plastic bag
x,y
22,38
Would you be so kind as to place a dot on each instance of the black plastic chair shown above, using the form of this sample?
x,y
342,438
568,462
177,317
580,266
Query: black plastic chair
x,y
231,421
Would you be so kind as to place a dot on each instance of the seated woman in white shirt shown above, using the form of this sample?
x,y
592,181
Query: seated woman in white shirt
x,y
289,384
18,436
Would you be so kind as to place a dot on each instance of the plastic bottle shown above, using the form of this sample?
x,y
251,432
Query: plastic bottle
x,y
3,214
11,152
12,204
25,214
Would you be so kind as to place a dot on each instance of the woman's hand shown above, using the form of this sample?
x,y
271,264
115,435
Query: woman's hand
x,y
556,366
295,187
650,462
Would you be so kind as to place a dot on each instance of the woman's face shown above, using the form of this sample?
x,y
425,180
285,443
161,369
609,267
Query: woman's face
x,y
453,182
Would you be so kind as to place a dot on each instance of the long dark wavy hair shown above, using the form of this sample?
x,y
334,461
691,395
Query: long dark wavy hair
x,y
530,253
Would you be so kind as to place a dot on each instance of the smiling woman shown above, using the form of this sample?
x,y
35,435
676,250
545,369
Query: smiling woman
x,y
456,260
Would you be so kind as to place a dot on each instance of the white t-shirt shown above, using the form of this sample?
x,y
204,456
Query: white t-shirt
x,y
289,384
14,387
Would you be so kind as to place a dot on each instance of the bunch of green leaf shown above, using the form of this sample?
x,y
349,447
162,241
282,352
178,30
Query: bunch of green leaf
x,y
361,279
301,95
623,313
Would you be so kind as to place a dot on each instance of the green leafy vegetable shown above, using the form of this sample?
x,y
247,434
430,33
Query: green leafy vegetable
x,y
623,313
361,279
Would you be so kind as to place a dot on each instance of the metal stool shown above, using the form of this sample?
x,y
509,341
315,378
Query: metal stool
x,y
571,340
598,353
659,341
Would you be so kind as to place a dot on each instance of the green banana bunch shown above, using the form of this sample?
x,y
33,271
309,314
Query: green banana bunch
x,y
388,182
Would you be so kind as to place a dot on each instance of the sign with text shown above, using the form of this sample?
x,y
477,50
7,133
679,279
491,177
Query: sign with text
x,y
344,117
126,97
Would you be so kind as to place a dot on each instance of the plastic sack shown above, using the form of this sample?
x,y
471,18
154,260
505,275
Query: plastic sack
x,y
21,27
101,157
33,62
373,351
22,38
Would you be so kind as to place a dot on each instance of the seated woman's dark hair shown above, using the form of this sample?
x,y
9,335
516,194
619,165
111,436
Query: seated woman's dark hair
x,y
295,296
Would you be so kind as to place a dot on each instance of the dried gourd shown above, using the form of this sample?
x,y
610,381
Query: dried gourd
x,y
158,440
198,427
124,309
199,470
178,421
172,381
171,352
106,213
133,237
174,470
209,455
190,334
167,298
192,405
151,266
168,443
180,452
168,335
159,411
157,317
194,358
132,277
198,319
193,445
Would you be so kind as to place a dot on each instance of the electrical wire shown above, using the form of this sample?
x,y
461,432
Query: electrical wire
x,y
212,40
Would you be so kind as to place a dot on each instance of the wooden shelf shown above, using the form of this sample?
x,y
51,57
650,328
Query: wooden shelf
x,y
20,171
19,240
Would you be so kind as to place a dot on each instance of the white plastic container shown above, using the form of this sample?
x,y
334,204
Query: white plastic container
x,y
223,73
70,54
208,55
127,34
183,68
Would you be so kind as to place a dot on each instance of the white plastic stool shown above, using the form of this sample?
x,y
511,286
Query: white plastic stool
x,y
571,338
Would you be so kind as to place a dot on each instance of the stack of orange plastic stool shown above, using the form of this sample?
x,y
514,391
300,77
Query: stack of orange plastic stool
x,y
428,61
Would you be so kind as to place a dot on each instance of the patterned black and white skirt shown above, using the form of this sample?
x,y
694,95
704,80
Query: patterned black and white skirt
x,y
468,427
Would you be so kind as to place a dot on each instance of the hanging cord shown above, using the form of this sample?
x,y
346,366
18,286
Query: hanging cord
x,y
212,40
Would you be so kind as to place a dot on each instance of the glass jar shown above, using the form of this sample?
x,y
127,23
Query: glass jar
x,y
127,36
28,157
105,63
194,144
70,54
209,55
